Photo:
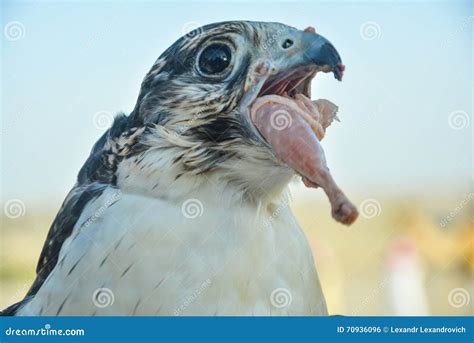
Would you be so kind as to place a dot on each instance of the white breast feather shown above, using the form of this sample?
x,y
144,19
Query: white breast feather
x,y
155,256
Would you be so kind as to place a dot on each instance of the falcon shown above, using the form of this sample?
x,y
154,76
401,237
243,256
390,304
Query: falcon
x,y
182,207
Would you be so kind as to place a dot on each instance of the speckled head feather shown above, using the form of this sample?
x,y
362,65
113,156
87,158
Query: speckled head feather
x,y
198,114
175,85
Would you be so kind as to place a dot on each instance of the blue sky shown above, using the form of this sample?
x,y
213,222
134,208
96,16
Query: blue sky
x,y
405,103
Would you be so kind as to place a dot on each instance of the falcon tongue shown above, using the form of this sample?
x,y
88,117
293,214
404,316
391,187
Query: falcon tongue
x,y
293,127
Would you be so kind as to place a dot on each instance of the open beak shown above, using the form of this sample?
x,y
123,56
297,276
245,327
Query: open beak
x,y
289,74
280,114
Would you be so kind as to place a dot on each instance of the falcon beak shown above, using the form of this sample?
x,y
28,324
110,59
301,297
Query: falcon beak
x,y
320,52
289,72
279,113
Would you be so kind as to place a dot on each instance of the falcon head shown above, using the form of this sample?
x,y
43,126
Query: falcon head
x,y
196,101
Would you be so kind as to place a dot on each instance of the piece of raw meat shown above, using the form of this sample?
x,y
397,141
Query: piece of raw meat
x,y
294,127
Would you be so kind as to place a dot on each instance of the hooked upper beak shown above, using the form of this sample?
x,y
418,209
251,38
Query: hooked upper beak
x,y
319,51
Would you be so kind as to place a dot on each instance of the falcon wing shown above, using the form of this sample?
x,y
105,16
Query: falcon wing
x,y
96,174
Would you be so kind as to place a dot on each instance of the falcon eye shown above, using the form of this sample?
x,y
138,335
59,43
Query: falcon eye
x,y
214,59
287,43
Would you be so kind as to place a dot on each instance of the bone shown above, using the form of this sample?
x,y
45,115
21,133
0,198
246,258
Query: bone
x,y
295,139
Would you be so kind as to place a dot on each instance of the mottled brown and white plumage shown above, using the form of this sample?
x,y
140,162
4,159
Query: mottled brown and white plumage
x,y
181,207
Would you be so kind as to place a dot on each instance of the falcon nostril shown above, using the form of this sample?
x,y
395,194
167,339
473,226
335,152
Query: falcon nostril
x,y
287,43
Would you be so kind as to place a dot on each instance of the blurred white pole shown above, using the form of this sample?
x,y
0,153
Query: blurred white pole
x,y
406,291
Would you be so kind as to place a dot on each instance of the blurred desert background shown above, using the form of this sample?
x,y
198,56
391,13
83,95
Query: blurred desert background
x,y
402,152
404,256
